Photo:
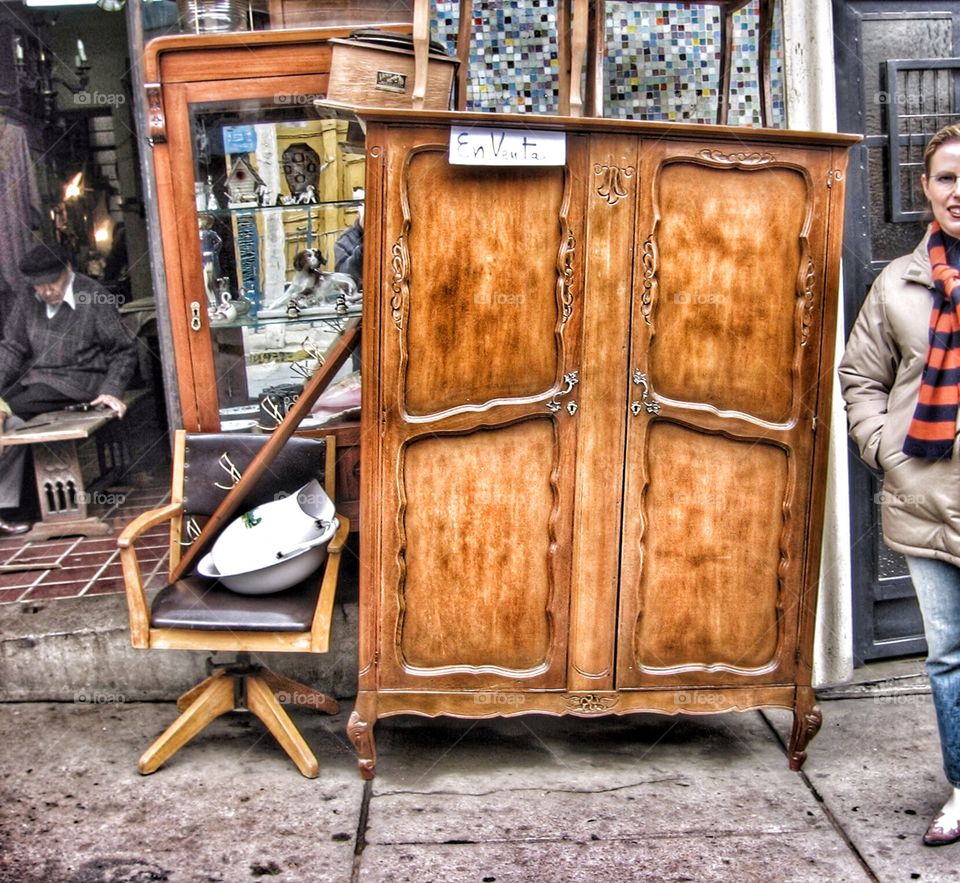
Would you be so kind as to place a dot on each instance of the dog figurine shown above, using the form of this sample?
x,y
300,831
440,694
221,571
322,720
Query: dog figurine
x,y
307,273
308,196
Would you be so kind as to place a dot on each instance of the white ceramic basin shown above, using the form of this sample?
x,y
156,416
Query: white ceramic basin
x,y
259,537
285,570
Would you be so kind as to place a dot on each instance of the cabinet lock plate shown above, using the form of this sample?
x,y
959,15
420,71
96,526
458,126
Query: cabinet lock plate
x,y
570,380
647,402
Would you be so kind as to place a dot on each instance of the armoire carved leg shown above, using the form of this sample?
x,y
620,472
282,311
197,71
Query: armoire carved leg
x,y
806,723
360,733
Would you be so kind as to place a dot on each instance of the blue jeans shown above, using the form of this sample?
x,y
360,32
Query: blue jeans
x,y
938,589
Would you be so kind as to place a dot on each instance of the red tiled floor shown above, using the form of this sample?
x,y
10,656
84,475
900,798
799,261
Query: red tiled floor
x,y
22,579
87,565
56,544
84,559
53,590
105,587
35,562
78,575
100,544
32,553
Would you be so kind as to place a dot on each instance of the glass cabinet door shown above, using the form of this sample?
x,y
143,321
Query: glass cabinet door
x,y
279,212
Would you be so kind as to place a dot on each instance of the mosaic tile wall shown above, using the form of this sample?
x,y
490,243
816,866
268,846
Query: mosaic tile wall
x,y
662,60
745,71
513,53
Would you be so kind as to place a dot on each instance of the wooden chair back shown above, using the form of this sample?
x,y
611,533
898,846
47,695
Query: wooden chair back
x,y
206,466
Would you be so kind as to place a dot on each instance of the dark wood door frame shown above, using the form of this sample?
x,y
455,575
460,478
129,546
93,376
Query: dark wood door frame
x,y
860,268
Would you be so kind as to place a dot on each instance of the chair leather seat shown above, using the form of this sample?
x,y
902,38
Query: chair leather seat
x,y
198,603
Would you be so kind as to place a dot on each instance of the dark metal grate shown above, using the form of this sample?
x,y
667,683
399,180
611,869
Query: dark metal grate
x,y
922,95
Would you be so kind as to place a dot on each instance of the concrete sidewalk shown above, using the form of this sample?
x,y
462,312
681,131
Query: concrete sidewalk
x,y
522,799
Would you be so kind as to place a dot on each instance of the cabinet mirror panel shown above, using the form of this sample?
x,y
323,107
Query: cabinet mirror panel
x,y
279,208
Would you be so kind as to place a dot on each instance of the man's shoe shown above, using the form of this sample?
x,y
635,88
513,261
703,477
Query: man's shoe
x,y
937,835
13,528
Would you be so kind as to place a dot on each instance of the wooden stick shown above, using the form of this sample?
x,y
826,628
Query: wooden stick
x,y
338,354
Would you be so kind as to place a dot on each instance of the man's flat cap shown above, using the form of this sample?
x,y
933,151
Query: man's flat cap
x,y
44,263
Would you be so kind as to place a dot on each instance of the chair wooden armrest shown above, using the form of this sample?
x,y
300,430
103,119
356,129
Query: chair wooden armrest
x,y
144,521
323,615
138,609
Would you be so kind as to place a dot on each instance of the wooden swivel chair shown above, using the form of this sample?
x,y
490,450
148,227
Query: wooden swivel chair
x,y
194,613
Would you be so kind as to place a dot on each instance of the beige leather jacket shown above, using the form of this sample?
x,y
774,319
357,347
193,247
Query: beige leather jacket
x,y
880,378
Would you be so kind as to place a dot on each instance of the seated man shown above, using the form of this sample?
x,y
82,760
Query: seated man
x,y
63,344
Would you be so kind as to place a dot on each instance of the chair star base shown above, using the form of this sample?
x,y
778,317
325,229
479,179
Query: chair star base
x,y
242,686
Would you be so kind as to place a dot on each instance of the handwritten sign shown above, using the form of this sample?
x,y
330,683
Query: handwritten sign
x,y
488,146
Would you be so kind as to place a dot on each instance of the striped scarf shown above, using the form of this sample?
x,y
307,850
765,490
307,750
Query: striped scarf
x,y
932,429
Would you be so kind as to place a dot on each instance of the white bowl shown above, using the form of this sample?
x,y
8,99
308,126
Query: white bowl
x,y
259,537
286,570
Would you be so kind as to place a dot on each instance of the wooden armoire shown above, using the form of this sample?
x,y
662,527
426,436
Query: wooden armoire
x,y
594,430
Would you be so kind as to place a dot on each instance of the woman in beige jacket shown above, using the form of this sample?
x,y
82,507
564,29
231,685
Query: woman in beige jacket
x,y
900,377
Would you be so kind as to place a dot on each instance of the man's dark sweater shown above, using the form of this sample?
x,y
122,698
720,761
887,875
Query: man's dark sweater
x,y
82,352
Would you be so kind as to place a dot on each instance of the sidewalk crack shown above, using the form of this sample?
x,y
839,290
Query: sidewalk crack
x,y
360,843
825,809
667,780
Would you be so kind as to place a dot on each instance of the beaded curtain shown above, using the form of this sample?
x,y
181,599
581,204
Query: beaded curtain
x,y
662,60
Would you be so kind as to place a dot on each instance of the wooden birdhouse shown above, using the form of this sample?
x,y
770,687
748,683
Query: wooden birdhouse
x,y
243,183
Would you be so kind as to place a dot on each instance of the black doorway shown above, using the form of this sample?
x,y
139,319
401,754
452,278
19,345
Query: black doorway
x,y
898,81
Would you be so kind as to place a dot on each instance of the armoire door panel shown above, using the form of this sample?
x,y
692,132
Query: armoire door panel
x,y
484,300
482,562
710,593
726,331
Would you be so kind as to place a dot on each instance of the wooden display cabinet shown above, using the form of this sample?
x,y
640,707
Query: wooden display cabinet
x,y
593,459
235,135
